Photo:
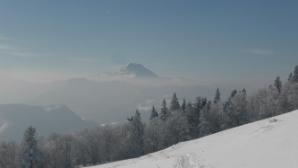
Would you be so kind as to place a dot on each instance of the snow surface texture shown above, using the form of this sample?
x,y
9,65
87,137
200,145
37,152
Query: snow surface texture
x,y
270,143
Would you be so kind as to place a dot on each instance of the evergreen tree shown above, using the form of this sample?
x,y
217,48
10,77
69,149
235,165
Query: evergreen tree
x,y
183,105
192,120
8,153
136,135
176,129
290,77
295,74
278,84
174,103
204,124
193,114
244,92
31,156
217,96
154,113
237,108
164,112
233,93
153,136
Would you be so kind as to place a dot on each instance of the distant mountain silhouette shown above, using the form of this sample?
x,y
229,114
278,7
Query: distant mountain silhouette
x,y
139,71
15,118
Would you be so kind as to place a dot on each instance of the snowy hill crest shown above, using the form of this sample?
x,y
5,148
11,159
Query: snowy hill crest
x,y
269,143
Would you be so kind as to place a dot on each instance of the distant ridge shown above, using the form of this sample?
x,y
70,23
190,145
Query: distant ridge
x,y
15,118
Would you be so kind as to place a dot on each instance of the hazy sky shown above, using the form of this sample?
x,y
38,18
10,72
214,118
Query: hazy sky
x,y
222,40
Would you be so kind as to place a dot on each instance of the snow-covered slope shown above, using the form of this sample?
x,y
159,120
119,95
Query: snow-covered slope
x,y
270,143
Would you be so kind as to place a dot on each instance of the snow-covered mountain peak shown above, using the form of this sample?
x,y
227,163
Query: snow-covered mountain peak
x,y
138,70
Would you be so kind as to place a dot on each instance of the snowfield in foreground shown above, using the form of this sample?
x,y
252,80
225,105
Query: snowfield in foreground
x,y
270,143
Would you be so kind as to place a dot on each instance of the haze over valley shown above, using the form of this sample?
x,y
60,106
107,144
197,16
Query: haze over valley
x,y
156,83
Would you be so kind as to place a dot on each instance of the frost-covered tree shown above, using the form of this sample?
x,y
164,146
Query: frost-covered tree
x,y
183,105
114,142
295,74
176,129
135,135
90,142
233,93
278,84
292,96
154,113
217,96
216,117
153,137
290,77
8,155
58,151
193,113
164,112
192,120
174,103
31,156
204,124
236,108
